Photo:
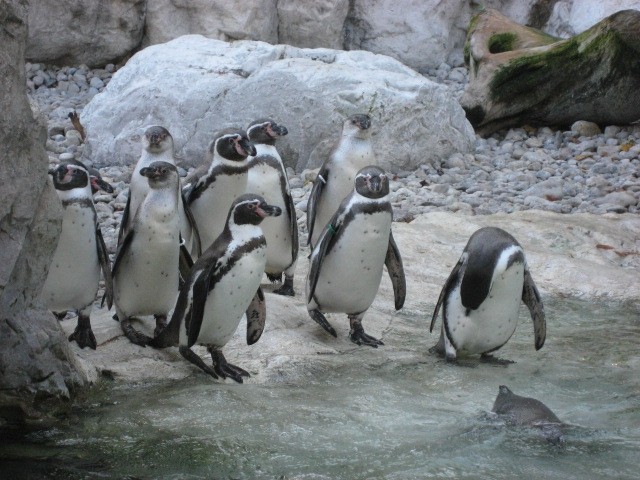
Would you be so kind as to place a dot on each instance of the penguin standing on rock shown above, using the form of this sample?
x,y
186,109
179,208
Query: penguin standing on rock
x,y
347,261
223,285
267,177
353,152
157,146
212,194
74,274
145,271
481,298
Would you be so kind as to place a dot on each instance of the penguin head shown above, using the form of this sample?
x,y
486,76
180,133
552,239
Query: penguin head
x,y
372,182
161,174
265,131
232,144
252,209
157,139
69,176
97,182
357,126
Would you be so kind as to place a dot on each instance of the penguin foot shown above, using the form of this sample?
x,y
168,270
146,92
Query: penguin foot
x,y
357,334
161,324
83,335
320,319
60,315
274,278
133,335
286,290
224,368
197,361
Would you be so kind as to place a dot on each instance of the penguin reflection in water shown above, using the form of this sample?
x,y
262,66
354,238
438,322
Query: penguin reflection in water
x,y
347,261
74,274
223,284
481,298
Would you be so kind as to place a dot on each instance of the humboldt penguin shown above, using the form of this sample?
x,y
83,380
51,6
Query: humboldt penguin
x,y
212,194
347,261
481,298
267,177
334,181
223,285
157,146
74,274
145,271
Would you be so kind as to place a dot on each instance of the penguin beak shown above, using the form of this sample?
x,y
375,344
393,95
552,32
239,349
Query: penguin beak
x,y
363,122
149,172
374,183
265,210
277,130
245,147
98,183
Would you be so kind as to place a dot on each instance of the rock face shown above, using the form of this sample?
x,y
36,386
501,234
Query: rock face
x,y
93,32
195,86
35,361
317,24
519,75
572,16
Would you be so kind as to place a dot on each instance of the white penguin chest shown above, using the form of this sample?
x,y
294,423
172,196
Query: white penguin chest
x,y
494,321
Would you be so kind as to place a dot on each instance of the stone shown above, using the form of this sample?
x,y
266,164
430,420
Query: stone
x,y
93,32
550,190
311,91
583,128
621,199
316,24
570,17
522,76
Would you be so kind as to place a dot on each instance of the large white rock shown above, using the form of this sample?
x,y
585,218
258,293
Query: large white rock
x,y
315,24
223,20
195,86
572,17
93,32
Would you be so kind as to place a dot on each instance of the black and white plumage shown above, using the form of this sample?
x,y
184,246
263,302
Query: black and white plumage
x,y
481,298
267,177
212,194
157,146
334,182
223,285
74,274
347,262
145,271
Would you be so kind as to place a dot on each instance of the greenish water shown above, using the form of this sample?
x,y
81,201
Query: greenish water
x,y
403,419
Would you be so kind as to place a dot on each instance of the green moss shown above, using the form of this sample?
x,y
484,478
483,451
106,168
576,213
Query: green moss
x,y
502,42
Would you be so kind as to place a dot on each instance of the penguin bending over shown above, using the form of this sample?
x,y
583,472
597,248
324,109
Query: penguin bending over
x,y
346,263
334,182
224,284
157,146
145,271
226,179
74,274
481,298
267,177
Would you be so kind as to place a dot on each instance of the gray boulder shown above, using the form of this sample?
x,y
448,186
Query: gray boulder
x,y
570,17
36,363
195,86
91,32
317,24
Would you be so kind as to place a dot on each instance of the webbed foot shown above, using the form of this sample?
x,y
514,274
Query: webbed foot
x,y
60,315
357,334
133,335
161,324
224,368
83,335
320,319
197,361
286,288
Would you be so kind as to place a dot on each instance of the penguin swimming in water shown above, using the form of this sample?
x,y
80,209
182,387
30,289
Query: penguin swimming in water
x,y
74,274
145,271
334,182
481,298
347,261
157,146
212,194
267,177
223,285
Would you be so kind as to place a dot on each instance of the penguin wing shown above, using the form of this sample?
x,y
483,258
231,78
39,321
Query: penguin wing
x,y
122,250
170,335
393,261
319,252
293,227
185,261
201,288
312,206
124,222
256,317
195,233
447,287
531,298
103,258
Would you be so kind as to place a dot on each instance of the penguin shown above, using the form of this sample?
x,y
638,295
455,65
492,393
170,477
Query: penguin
x,y
268,178
224,284
145,270
213,193
346,263
157,146
481,298
97,182
334,181
74,275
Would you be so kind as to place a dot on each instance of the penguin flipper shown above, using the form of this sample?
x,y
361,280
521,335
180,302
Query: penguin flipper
x,y
393,261
124,222
103,258
446,288
201,288
256,317
314,198
185,262
195,233
531,298
293,227
122,250
319,252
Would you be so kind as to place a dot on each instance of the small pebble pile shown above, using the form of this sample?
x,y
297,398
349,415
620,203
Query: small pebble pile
x,y
582,169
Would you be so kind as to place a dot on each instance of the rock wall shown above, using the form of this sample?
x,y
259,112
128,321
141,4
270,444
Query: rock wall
x,y
571,17
36,363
